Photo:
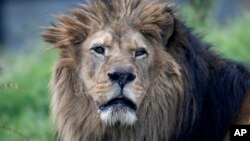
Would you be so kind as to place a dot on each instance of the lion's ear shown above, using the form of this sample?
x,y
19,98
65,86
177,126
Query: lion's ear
x,y
156,20
69,31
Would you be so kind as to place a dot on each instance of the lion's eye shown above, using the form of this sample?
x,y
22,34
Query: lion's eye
x,y
99,49
140,52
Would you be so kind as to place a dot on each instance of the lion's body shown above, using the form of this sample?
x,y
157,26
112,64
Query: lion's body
x,y
182,90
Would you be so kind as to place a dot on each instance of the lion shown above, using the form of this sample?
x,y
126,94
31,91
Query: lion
x,y
131,70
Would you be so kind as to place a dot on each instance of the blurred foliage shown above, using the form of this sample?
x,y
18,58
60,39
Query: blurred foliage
x,y
24,78
24,96
231,40
202,8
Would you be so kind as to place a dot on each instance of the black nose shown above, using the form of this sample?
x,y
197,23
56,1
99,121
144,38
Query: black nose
x,y
122,78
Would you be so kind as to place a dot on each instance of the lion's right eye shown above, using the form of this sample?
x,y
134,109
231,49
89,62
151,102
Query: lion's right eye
x,y
99,49
140,52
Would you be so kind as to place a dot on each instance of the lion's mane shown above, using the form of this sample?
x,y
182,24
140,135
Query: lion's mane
x,y
197,102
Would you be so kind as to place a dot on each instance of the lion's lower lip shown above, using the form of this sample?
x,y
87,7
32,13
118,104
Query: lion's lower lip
x,y
123,102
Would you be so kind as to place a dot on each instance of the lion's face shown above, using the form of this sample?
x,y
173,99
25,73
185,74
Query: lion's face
x,y
115,69
116,73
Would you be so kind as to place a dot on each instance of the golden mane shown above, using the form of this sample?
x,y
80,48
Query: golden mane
x,y
150,17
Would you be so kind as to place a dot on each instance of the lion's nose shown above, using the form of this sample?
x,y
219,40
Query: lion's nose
x,y
122,78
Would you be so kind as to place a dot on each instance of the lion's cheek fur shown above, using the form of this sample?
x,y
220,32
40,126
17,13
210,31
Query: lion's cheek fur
x,y
75,113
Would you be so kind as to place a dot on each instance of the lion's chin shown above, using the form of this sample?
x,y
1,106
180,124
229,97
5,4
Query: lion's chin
x,y
118,114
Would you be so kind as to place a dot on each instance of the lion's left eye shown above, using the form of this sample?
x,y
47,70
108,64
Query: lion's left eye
x,y
140,52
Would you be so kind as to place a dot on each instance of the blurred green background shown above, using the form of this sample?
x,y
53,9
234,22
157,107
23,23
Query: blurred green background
x,y
25,71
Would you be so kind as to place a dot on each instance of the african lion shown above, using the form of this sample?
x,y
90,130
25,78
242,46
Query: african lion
x,y
130,70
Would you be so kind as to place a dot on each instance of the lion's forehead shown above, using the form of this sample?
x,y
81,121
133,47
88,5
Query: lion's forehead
x,y
130,40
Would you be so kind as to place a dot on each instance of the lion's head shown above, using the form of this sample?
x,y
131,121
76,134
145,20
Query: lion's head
x,y
114,75
115,70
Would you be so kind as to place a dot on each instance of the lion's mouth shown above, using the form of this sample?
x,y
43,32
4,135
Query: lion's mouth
x,y
119,101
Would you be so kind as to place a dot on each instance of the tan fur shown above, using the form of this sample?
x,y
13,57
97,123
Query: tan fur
x,y
79,84
243,118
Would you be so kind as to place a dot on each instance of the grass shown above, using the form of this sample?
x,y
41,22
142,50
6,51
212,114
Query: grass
x,y
24,95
